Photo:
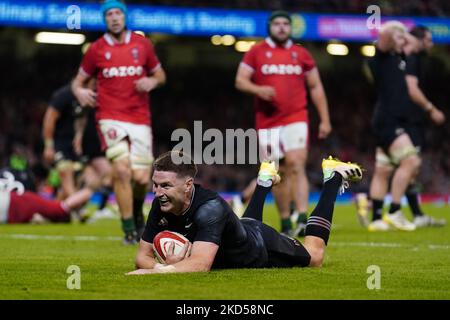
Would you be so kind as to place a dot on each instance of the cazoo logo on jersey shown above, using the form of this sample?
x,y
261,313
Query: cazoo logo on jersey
x,y
281,69
122,71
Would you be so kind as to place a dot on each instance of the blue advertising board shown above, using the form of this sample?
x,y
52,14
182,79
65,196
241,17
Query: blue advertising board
x,y
202,22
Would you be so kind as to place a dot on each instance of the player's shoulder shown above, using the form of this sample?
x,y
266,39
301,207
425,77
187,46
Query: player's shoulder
x,y
65,89
260,46
99,43
64,92
139,38
300,49
212,210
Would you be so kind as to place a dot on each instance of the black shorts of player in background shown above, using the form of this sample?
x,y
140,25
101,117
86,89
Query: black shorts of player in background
x,y
390,118
91,142
387,130
64,151
67,106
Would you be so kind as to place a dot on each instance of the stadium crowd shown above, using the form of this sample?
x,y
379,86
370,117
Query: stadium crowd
x,y
201,91
180,102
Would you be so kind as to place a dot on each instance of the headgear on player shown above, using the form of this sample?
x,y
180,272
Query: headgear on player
x,y
277,14
113,4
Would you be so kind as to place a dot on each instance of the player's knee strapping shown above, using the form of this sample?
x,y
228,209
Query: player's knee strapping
x,y
141,162
400,154
382,160
64,165
118,151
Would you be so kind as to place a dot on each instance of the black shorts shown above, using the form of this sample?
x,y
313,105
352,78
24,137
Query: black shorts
x,y
282,251
91,147
417,134
64,151
387,130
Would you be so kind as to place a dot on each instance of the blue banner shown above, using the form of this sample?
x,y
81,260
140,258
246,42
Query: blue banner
x,y
201,22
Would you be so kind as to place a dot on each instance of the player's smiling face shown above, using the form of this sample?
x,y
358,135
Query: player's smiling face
x,y
115,21
280,29
172,192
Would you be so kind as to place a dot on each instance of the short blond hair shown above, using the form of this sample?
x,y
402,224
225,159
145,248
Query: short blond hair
x,y
393,25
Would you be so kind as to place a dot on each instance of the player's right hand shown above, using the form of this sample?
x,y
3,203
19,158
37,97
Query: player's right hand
x,y
266,93
86,97
437,116
49,155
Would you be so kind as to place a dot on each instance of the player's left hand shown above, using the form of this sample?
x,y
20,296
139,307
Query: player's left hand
x,y
141,272
437,116
324,130
146,84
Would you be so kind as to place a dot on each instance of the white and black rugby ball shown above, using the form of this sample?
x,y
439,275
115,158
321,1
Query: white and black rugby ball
x,y
162,241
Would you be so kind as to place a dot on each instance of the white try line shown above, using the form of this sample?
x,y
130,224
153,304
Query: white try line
x,y
57,237
390,245
21,236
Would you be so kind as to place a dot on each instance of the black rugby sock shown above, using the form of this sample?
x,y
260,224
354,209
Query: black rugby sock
x,y
255,207
413,201
104,194
394,207
138,215
377,209
286,224
319,222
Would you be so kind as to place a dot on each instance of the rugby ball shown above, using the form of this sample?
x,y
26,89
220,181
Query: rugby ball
x,y
162,241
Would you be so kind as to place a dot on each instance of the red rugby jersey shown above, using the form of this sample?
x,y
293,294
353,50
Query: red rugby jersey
x,y
117,66
283,68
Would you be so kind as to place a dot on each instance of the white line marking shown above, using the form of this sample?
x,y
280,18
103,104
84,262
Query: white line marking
x,y
57,237
22,236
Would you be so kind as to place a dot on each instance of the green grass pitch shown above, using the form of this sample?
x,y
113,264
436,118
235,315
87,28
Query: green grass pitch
x,y
416,265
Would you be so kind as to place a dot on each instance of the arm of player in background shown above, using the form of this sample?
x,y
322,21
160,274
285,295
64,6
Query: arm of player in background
x,y
244,83
48,131
419,98
79,126
147,84
319,99
85,96
160,76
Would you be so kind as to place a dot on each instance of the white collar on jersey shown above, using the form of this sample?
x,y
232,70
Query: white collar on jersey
x,y
109,39
272,44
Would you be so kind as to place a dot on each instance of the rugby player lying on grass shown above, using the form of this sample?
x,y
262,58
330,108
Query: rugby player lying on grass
x,y
219,238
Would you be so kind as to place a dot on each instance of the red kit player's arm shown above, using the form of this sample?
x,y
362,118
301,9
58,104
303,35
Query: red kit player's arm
x,y
244,83
160,76
320,101
154,66
85,96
